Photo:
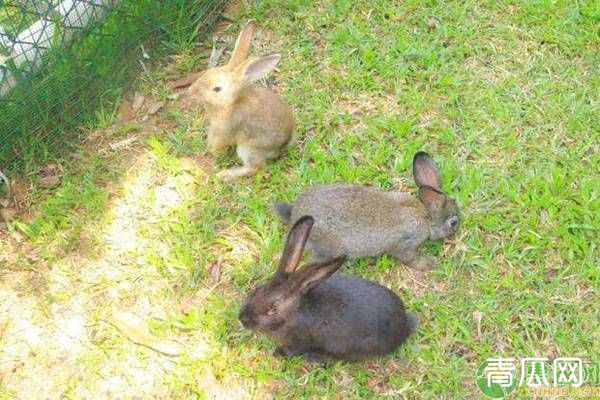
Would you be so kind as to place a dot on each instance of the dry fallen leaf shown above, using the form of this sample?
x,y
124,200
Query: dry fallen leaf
x,y
50,169
49,181
138,101
125,112
154,107
136,330
223,25
432,24
373,382
552,352
477,316
7,214
215,269
186,80
186,304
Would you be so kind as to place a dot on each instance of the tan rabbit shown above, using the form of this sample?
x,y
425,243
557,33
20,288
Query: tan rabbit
x,y
253,118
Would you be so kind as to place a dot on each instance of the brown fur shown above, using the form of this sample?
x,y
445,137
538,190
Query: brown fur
x,y
253,118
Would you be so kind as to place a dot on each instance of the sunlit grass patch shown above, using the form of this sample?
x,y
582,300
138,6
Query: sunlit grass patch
x,y
502,95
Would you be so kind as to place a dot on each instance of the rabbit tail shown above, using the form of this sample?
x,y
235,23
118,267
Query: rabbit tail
x,y
412,323
284,211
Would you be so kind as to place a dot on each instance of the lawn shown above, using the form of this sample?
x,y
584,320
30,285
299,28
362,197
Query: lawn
x,y
503,94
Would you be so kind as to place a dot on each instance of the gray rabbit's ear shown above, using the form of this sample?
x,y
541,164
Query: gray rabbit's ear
x,y
242,45
294,246
433,199
315,273
426,172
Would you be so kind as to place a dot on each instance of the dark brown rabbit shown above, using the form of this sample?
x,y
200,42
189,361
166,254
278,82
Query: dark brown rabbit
x,y
323,316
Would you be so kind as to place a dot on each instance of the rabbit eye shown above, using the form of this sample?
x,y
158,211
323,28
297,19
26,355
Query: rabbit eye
x,y
453,221
217,89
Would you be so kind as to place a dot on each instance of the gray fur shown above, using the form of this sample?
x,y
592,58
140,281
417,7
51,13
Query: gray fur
x,y
413,322
284,211
361,221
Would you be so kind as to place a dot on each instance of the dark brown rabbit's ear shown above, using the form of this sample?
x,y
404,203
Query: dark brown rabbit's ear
x,y
426,172
315,273
432,198
294,245
242,45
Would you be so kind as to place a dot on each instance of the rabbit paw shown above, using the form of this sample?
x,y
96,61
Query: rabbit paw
x,y
309,355
230,175
286,351
317,357
227,176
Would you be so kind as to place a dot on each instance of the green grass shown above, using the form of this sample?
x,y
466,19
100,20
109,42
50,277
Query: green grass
x,y
504,95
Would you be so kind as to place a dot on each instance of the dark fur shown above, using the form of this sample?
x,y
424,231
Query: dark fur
x,y
284,211
323,315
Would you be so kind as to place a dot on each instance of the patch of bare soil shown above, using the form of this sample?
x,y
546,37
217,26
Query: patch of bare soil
x,y
58,334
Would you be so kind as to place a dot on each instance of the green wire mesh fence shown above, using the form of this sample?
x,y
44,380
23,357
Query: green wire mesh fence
x,y
61,59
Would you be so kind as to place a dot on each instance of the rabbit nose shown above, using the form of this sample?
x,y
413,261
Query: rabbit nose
x,y
453,222
245,317
247,321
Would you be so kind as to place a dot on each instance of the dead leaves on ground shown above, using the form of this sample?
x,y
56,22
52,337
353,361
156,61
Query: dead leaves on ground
x,y
136,330
186,80
139,105
15,202
215,269
50,175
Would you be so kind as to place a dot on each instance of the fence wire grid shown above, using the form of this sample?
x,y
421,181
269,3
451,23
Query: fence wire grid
x,y
61,59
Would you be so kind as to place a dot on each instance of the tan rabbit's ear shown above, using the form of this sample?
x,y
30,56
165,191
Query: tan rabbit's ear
x,y
294,246
315,273
242,45
433,199
256,68
425,171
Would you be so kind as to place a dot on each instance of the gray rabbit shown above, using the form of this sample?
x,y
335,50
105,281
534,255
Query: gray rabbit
x,y
325,316
360,221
